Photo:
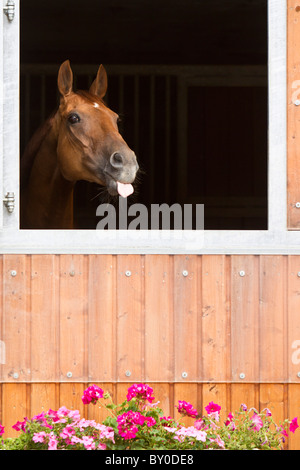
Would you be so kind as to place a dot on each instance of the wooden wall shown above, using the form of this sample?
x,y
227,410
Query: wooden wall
x,y
84,315
293,110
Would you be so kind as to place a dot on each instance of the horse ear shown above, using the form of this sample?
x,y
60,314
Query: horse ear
x,y
65,78
99,85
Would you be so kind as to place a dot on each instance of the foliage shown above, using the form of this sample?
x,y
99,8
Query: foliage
x,y
140,424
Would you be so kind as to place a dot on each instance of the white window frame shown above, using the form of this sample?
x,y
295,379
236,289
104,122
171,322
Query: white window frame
x,y
276,240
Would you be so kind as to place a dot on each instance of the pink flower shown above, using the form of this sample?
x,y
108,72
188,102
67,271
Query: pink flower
x,y
186,409
150,421
219,442
52,444
39,436
42,418
106,432
190,432
141,391
229,419
20,425
92,395
88,443
1,429
199,424
294,425
212,408
67,432
268,412
257,421
127,424
101,446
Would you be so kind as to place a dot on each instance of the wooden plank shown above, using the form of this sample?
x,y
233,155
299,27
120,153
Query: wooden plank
x,y
44,318
16,317
293,123
70,396
73,317
14,406
274,398
273,327
101,318
2,342
188,393
215,318
219,394
292,412
187,308
246,394
244,318
130,318
43,396
293,307
164,396
159,351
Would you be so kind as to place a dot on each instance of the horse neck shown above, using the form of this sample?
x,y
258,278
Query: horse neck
x,y
48,198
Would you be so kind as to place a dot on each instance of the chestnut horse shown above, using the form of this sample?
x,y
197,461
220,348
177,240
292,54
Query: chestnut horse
x,y
80,141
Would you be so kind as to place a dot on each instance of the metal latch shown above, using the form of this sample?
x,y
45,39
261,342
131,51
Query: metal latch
x,y
9,10
9,201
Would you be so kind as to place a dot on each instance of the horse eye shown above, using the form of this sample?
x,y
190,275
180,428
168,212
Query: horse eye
x,y
73,118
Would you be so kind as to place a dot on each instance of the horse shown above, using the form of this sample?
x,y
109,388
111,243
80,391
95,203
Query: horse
x,y
79,141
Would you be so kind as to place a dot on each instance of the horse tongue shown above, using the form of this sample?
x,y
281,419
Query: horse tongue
x,y
124,189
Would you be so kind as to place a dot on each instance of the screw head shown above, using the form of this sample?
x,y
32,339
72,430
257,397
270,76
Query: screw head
x,y
185,273
297,205
15,375
128,373
242,375
298,375
184,375
297,102
13,273
242,273
69,375
128,273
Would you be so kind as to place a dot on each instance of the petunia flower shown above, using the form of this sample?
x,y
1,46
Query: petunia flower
x,y
20,425
294,425
39,436
257,421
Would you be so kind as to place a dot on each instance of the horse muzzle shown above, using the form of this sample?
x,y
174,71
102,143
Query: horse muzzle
x,y
120,173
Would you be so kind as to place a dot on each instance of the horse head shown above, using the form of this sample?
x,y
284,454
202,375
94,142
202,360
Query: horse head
x,y
89,145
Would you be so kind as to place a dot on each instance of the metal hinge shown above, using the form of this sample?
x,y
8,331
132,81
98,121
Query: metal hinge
x,y
9,201
9,10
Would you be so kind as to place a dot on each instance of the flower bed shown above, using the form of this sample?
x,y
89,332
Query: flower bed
x,y
140,424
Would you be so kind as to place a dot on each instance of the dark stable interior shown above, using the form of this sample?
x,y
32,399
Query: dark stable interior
x,y
210,149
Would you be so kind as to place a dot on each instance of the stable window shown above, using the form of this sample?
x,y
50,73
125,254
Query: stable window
x,y
200,87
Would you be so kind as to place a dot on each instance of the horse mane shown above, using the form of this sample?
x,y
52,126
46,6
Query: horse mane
x,y
32,148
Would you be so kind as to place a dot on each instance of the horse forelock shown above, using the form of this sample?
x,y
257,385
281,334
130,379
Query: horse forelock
x,y
90,98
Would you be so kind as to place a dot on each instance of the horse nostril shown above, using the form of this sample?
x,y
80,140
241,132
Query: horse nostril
x,y
116,160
